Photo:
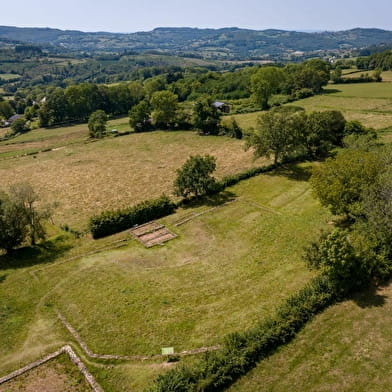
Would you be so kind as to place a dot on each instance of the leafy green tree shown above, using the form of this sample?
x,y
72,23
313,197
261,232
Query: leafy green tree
x,y
194,177
139,117
276,134
6,110
19,125
336,75
340,182
20,217
26,198
261,91
335,256
153,85
206,117
97,124
164,105
232,129
13,223
323,131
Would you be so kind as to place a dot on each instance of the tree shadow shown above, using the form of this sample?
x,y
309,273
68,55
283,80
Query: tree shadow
x,y
2,278
43,253
331,91
370,298
293,171
210,200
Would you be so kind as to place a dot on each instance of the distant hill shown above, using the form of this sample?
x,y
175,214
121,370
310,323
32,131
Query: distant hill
x,y
215,43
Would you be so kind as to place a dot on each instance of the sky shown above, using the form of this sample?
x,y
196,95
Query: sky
x,y
144,15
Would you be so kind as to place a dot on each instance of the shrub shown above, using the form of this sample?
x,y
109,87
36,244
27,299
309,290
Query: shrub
x,y
111,222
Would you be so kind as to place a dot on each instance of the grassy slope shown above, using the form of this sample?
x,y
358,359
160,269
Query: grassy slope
x,y
346,348
215,278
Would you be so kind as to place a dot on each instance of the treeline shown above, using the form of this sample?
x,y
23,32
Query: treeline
x,y
77,102
381,60
289,132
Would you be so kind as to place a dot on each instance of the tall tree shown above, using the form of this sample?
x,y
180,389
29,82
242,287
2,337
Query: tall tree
x,y
206,117
194,177
164,105
97,124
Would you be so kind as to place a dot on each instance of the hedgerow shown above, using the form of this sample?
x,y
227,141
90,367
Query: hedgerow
x,y
242,351
111,222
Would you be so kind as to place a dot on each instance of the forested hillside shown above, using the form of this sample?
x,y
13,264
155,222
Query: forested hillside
x,y
228,43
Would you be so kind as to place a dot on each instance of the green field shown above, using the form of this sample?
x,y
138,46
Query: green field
x,y
7,76
233,262
370,103
213,279
346,348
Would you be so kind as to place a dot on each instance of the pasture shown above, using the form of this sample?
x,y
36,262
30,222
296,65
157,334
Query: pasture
x,y
370,103
346,348
87,177
214,278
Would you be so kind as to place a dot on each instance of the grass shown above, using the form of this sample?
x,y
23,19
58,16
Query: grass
x,y
346,348
114,172
7,76
370,103
213,279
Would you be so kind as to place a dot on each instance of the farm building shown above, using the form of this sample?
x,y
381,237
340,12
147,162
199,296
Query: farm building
x,y
223,107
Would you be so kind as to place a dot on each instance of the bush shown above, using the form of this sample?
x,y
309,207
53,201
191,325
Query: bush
x,y
111,222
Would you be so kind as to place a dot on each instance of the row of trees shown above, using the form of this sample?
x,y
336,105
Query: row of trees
x,y
290,132
77,102
300,80
381,60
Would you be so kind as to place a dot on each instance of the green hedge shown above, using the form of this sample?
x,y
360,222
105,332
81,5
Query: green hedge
x,y
111,222
236,178
241,351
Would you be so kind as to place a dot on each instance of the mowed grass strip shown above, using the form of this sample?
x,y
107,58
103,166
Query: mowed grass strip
x,y
346,348
227,269
86,179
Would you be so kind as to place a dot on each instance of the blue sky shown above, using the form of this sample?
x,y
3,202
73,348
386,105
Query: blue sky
x,y
131,15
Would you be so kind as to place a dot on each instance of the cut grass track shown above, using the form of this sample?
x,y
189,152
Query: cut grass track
x,y
346,348
227,269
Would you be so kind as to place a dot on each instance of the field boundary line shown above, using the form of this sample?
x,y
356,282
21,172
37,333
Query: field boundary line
x,y
91,354
73,357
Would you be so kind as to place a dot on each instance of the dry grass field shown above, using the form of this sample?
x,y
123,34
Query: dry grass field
x,y
114,172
